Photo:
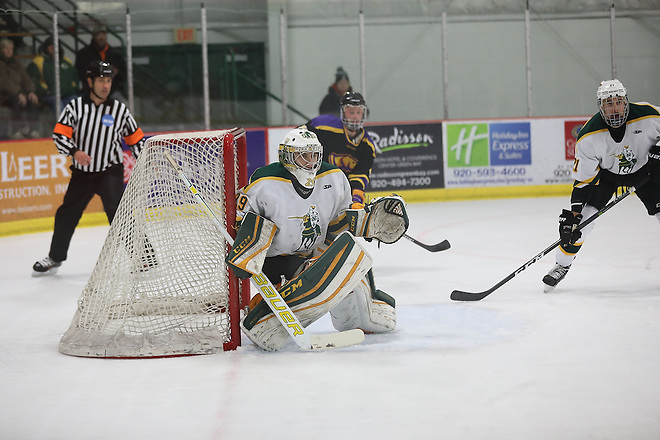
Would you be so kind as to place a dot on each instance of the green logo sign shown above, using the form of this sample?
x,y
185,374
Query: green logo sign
x,y
467,145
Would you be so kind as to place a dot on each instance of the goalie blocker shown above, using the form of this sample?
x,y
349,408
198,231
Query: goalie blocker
x,y
340,280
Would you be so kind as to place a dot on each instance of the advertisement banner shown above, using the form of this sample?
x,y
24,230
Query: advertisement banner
x,y
256,149
488,154
509,152
571,130
457,154
408,156
33,180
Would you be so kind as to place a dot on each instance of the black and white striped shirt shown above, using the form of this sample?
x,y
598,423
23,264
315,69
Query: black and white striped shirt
x,y
98,131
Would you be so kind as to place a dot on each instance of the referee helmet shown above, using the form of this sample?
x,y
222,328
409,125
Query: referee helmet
x,y
98,69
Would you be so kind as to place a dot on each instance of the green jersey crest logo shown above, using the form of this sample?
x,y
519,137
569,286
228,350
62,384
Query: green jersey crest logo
x,y
311,228
627,160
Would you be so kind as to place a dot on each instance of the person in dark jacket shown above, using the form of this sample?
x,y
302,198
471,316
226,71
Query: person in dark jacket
x,y
330,105
99,50
9,25
17,93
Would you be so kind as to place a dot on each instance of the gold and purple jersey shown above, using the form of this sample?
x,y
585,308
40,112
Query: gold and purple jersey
x,y
355,157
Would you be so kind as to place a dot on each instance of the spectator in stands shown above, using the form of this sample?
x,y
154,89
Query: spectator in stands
x,y
330,105
99,50
9,25
17,93
42,74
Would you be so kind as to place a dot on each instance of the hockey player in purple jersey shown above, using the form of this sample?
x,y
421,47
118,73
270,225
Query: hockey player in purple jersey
x,y
347,145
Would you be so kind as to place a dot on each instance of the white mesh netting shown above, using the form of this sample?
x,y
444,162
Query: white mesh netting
x,y
160,285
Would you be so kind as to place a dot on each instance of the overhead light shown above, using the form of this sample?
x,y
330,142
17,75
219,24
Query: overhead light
x,y
100,7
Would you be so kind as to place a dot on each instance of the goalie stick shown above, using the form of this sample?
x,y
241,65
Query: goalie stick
x,y
272,297
442,246
460,295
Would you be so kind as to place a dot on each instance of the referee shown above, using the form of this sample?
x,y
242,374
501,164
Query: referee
x,y
90,130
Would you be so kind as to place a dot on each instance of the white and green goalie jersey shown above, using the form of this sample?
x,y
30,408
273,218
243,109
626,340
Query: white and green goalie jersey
x,y
303,223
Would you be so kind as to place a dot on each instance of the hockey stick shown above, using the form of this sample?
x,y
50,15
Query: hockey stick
x,y
272,297
442,246
459,295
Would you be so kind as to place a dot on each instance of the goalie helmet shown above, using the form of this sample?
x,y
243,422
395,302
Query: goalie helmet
x,y
351,116
613,102
99,69
301,154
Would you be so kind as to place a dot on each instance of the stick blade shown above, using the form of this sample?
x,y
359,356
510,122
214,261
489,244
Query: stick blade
x,y
459,295
335,340
442,246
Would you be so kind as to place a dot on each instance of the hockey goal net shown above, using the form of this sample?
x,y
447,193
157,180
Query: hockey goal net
x,y
161,286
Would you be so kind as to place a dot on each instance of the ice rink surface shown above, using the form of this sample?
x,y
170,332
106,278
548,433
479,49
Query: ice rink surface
x,y
580,363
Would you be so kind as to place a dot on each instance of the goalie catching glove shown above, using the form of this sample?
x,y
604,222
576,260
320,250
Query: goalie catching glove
x,y
384,219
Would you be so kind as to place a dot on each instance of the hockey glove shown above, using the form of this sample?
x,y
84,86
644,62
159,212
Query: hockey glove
x,y
568,223
654,162
384,219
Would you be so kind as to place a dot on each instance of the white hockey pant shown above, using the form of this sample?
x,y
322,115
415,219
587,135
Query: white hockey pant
x,y
361,310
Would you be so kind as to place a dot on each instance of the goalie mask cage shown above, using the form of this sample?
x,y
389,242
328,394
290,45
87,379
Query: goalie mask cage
x,y
161,286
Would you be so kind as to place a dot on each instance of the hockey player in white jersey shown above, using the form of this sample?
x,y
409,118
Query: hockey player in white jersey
x,y
618,146
295,228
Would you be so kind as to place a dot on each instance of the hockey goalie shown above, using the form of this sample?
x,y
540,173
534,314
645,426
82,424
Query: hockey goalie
x,y
296,229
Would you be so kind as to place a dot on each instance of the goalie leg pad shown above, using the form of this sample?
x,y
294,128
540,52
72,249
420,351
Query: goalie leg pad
x,y
314,292
366,308
385,219
254,237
